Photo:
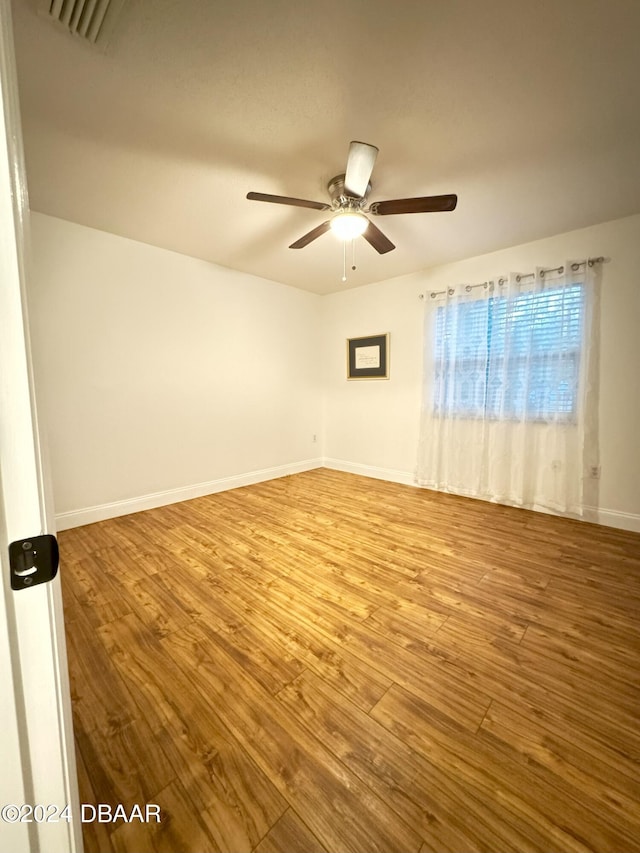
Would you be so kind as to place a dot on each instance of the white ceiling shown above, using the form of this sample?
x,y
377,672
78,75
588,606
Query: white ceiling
x,y
529,111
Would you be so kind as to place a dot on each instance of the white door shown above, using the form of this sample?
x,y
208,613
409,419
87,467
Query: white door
x,y
37,762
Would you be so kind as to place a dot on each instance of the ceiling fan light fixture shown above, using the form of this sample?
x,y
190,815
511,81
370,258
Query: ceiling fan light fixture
x,y
349,224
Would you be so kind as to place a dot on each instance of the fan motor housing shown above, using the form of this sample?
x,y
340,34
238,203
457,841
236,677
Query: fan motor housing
x,y
341,199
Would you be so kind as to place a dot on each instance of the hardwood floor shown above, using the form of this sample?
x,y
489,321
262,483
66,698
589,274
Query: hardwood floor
x,y
327,663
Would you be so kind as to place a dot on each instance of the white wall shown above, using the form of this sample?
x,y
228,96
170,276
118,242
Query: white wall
x,y
162,377
159,372
372,427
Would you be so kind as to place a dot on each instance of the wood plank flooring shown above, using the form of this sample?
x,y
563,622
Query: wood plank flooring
x,y
327,663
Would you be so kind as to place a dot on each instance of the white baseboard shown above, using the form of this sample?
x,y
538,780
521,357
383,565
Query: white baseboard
x,y
614,518
607,517
76,518
406,478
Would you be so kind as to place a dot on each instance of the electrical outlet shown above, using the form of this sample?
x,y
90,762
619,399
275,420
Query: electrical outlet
x,y
594,472
315,438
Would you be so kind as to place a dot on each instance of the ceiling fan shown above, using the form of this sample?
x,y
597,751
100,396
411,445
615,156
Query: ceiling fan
x,y
349,193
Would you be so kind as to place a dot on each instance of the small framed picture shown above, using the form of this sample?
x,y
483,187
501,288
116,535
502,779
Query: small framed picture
x,y
368,358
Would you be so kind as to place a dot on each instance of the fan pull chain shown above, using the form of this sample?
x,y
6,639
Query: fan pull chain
x,y
344,258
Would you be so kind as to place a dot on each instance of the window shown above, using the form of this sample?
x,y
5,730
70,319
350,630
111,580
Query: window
x,y
510,356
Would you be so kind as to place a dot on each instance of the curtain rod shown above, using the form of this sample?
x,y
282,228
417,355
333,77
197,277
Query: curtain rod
x,y
520,277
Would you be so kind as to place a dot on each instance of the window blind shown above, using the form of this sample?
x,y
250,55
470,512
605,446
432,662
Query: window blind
x,y
510,357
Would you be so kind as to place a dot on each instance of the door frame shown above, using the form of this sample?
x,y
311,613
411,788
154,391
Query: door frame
x,y
35,705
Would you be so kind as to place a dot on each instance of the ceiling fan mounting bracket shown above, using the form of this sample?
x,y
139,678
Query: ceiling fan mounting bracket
x,y
340,200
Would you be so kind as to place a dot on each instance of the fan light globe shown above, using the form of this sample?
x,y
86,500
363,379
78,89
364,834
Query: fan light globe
x,y
349,225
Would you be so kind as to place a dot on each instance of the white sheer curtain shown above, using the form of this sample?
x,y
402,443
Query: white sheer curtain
x,y
510,395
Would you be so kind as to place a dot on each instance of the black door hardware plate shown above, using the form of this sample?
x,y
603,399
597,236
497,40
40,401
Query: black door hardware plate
x,y
33,561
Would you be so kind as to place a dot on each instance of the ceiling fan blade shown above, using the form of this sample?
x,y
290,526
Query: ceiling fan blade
x,y
359,168
285,199
425,204
380,242
311,235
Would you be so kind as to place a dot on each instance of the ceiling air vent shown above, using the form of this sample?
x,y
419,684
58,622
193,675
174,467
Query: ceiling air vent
x,y
91,20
